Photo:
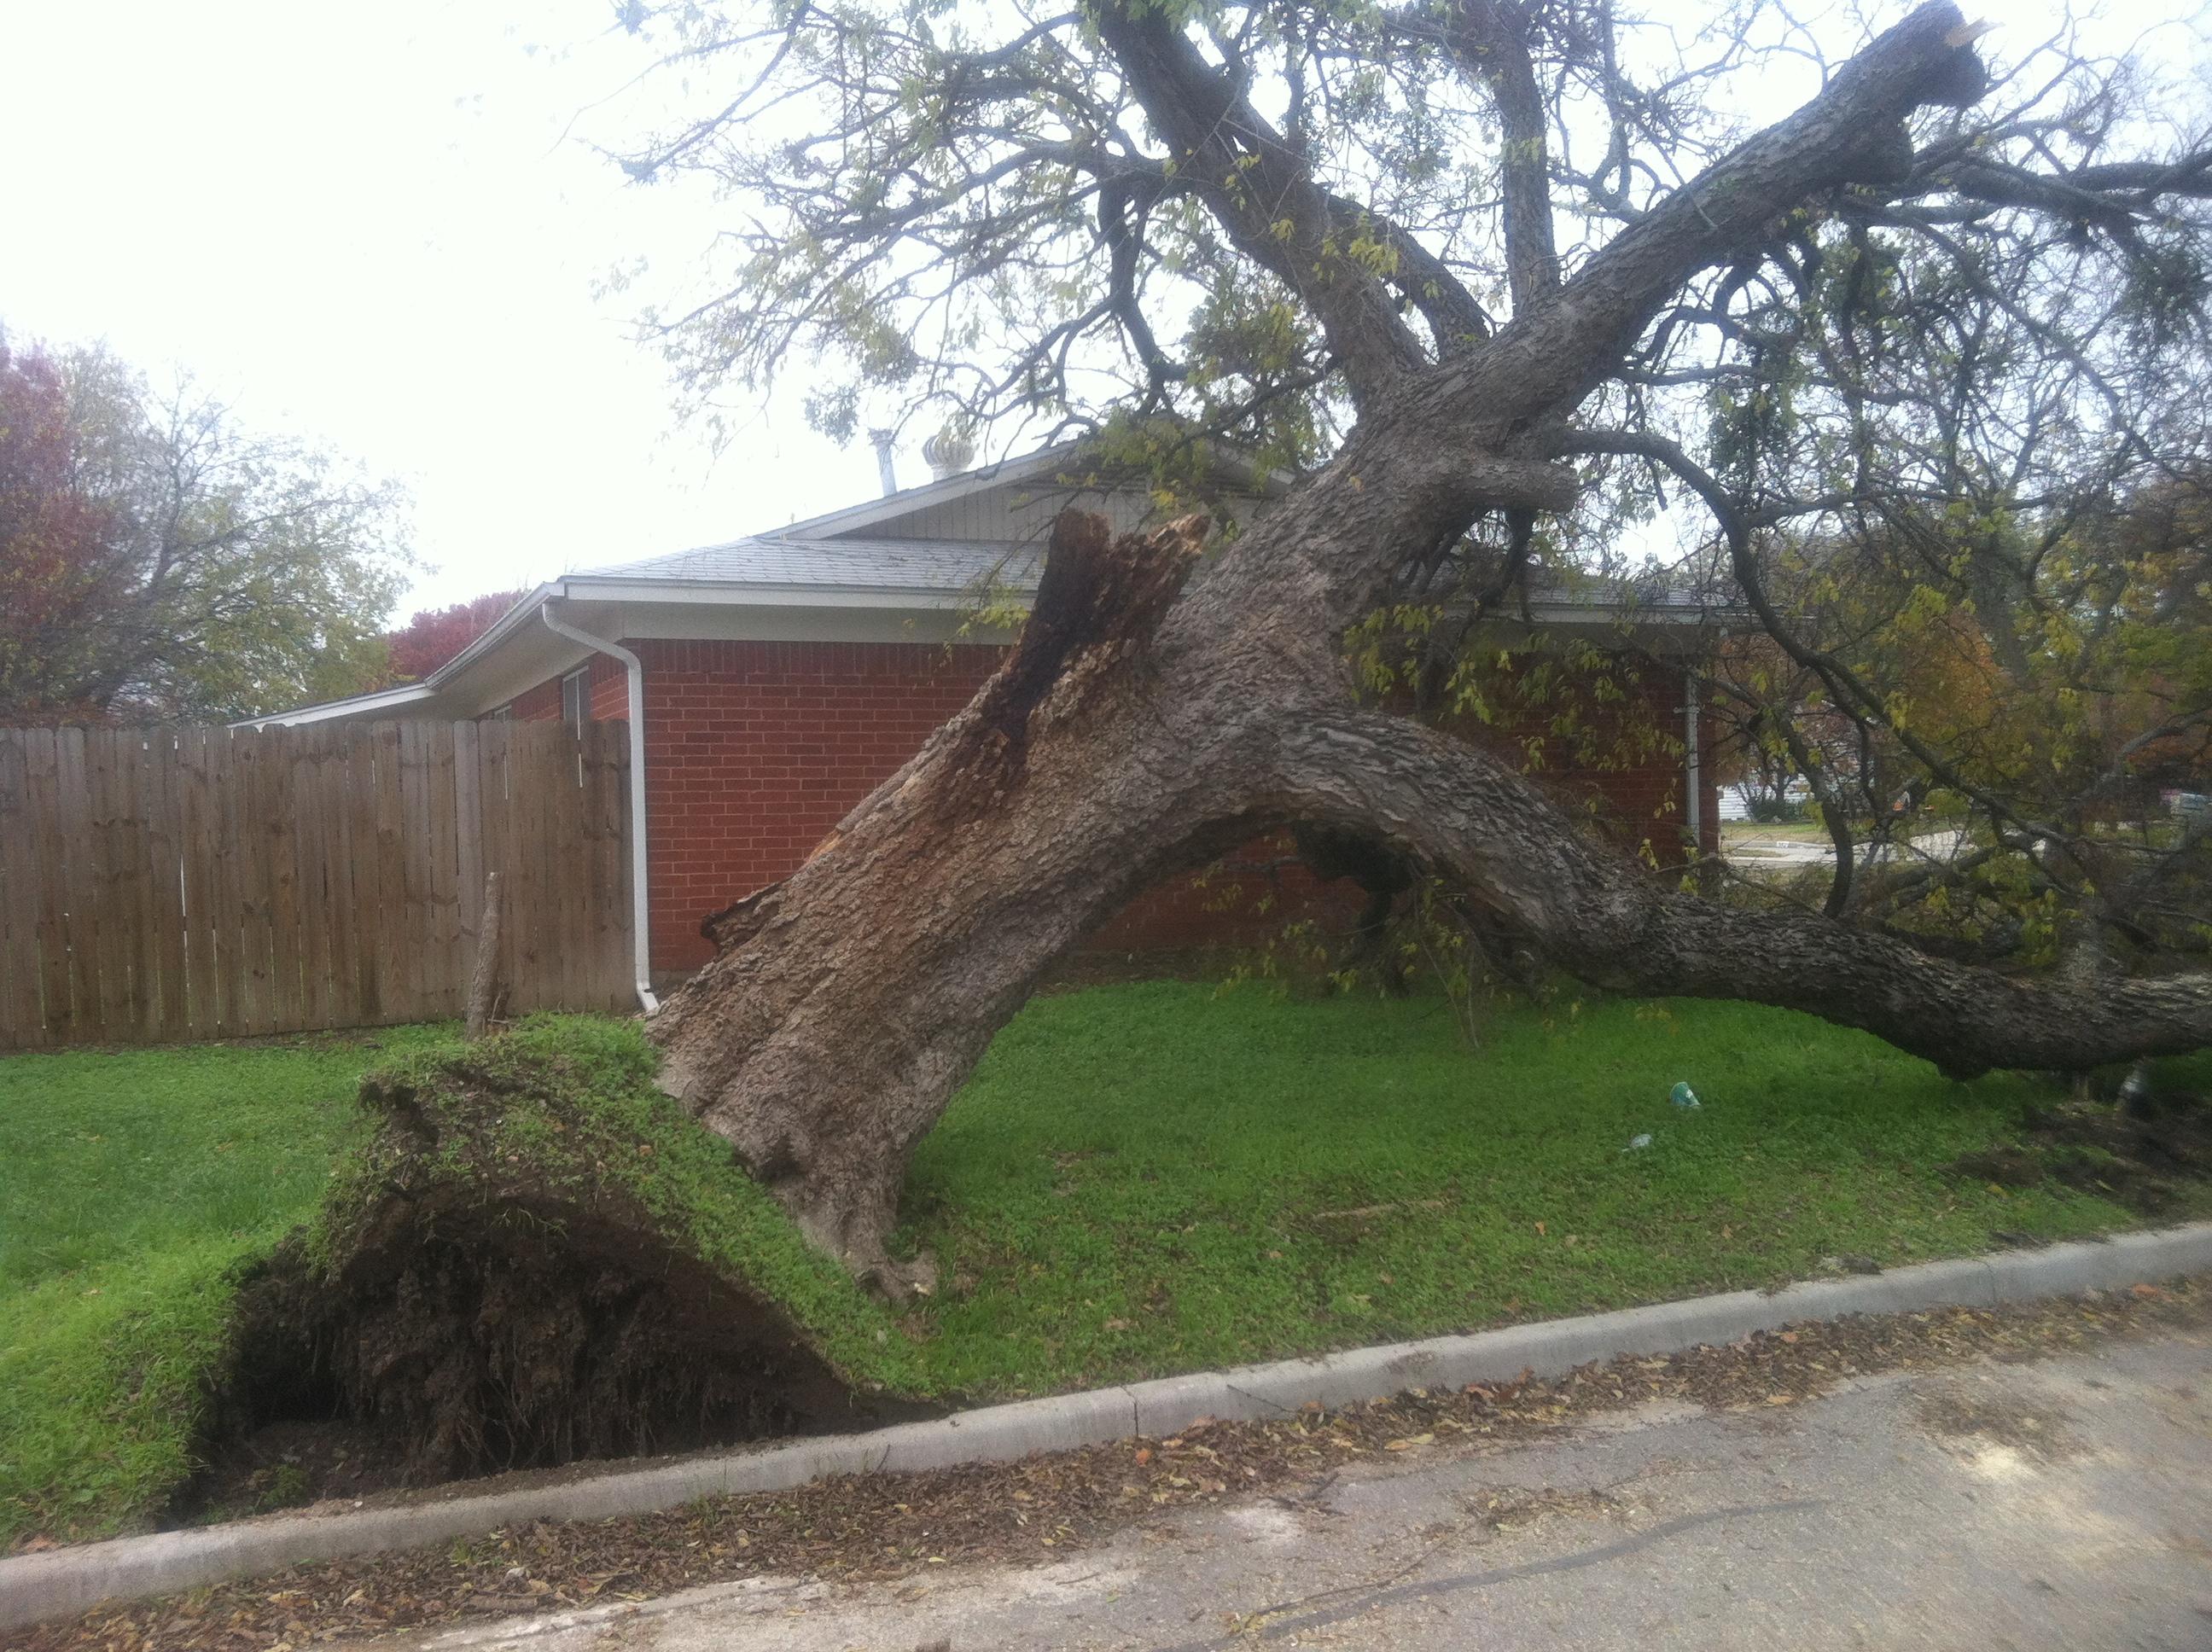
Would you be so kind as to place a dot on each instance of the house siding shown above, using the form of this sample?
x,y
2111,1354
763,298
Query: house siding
x,y
1025,513
755,750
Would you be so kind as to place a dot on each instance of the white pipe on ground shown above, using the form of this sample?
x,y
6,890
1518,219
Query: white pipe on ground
x,y
639,929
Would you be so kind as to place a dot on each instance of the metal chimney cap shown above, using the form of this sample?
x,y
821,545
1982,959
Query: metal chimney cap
x,y
950,452
886,467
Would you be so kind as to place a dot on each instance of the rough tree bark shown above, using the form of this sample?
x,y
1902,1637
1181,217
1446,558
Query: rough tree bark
x,y
1142,725
483,982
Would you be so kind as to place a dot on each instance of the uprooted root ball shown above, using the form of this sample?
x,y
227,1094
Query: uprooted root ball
x,y
535,1258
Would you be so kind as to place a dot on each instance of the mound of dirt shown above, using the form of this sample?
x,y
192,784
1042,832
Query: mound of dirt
x,y
2142,1158
509,1273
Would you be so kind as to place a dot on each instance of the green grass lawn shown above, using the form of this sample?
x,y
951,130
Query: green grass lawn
x,y
1169,1176
134,1182
1139,1180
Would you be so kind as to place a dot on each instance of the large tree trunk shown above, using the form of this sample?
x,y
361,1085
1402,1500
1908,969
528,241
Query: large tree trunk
x,y
1140,729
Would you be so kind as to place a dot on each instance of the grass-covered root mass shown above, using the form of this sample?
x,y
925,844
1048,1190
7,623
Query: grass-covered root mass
x,y
533,1257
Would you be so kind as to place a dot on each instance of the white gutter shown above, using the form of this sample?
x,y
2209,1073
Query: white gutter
x,y
1693,768
639,924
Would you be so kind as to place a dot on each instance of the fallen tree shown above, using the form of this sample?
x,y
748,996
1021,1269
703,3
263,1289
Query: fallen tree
x,y
1166,701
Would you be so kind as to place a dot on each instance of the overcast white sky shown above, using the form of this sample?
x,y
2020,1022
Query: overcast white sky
x,y
363,225
372,225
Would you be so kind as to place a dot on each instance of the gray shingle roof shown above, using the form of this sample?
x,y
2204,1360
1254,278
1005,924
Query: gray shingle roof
x,y
942,568
933,566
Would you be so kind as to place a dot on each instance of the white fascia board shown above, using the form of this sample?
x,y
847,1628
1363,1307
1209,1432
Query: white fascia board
x,y
359,705
732,622
716,594
524,612
413,694
1619,613
1604,631
655,593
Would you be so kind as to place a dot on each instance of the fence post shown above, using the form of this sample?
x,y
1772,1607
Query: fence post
x,y
484,985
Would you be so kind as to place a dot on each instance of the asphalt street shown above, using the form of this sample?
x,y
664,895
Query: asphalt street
x,y
2048,1505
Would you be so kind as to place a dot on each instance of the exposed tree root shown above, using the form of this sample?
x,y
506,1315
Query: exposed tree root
x,y
475,1339
491,1288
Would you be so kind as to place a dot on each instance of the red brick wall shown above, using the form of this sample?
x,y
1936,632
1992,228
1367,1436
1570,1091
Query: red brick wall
x,y
609,690
610,695
754,750
540,704
1243,901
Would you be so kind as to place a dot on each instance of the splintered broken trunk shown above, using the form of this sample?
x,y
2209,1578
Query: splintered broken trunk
x,y
846,1003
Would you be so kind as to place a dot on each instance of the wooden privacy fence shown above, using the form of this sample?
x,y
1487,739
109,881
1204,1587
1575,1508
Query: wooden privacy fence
x,y
173,883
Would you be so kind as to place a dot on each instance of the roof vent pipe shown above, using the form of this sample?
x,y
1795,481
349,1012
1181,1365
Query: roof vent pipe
x,y
886,472
948,451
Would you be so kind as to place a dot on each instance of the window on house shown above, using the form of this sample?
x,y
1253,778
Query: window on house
x,y
576,698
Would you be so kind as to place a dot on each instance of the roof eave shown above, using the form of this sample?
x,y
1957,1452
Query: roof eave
x,y
413,692
492,635
743,593
1629,613
351,705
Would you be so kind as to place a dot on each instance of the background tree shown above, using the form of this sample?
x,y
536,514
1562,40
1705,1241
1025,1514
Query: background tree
x,y
1497,276
434,635
1995,638
158,561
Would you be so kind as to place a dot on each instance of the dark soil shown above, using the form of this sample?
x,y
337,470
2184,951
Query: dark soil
x,y
1960,1411
467,1339
502,1278
887,1526
2144,1158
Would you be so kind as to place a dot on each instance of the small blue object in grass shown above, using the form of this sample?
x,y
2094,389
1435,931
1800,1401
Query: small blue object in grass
x,y
1637,1144
1683,1095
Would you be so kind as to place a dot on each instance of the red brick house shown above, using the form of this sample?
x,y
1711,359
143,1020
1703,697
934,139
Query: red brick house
x,y
771,682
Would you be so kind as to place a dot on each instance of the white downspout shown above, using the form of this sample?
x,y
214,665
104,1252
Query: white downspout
x,y
1692,768
639,930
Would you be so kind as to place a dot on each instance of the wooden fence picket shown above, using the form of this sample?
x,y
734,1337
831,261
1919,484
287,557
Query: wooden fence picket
x,y
162,775
20,974
177,883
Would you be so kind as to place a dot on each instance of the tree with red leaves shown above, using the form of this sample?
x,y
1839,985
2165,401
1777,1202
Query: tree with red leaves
x,y
53,537
435,635
157,561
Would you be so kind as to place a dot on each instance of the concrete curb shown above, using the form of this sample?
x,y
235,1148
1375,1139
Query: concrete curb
x,y
64,1582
